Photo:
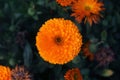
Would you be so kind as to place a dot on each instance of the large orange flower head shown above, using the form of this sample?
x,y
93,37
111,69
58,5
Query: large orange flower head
x,y
73,74
89,10
58,41
5,73
65,2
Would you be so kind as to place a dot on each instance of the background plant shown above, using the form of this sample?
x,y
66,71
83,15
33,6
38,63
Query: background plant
x,y
20,21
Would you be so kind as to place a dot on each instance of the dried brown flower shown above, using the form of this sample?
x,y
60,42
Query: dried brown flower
x,y
20,73
104,56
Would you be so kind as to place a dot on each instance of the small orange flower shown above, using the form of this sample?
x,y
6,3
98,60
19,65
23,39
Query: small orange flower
x,y
73,74
58,41
5,73
65,2
86,51
89,10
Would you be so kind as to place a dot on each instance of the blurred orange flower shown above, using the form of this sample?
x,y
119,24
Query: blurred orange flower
x,y
89,10
87,52
65,2
73,74
5,73
58,41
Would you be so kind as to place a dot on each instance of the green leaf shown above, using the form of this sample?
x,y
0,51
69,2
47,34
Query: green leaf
x,y
1,14
41,2
31,11
52,5
35,17
27,55
85,71
12,62
93,47
1,57
12,28
118,17
57,69
107,73
76,60
103,35
105,22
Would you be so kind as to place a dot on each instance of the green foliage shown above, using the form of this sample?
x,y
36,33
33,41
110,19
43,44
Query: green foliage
x,y
27,55
107,73
21,19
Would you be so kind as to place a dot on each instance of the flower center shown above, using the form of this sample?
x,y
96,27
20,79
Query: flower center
x,y
75,76
58,40
88,8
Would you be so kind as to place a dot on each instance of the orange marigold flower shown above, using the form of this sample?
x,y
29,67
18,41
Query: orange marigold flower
x,y
5,73
89,10
58,41
87,52
73,74
20,73
65,2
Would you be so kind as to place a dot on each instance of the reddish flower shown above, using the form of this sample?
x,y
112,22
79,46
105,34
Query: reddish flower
x,y
73,74
89,10
87,52
65,2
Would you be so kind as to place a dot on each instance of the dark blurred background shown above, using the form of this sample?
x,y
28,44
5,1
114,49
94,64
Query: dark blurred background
x,y
20,21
